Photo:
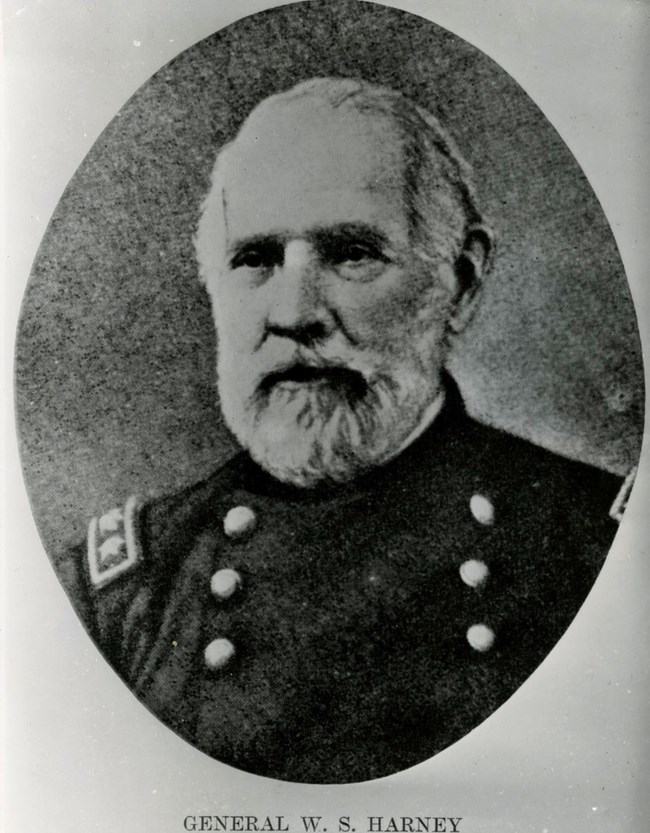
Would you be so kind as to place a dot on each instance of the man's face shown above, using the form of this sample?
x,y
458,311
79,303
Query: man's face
x,y
331,330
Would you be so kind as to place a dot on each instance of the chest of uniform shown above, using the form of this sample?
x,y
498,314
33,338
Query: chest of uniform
x,y
344,583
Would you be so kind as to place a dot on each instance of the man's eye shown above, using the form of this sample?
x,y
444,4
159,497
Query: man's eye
x,y
256,257
353,254
357,253
253,260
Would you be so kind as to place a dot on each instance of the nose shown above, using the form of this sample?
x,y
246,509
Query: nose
x,y
298,305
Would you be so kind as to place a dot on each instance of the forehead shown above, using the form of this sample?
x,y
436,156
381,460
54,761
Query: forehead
x,y
300,165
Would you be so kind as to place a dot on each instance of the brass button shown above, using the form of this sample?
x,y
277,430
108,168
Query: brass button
x,y
482,509
239,521
480,637
224,583
218,654
474,572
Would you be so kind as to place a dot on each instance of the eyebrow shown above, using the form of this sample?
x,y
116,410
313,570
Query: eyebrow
x,y
319,234
352,231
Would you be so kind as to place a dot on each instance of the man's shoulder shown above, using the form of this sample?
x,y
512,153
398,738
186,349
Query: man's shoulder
x,y
543,487
144,531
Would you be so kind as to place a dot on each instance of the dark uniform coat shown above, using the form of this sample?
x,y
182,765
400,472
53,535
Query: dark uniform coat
x,y
341,635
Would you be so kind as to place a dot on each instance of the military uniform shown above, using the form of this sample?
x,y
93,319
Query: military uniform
x,y
344,634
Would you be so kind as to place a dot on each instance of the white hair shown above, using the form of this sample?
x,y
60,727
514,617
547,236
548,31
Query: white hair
x,y
439,191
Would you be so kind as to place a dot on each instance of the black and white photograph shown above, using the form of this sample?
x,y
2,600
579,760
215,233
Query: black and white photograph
x,y
329,409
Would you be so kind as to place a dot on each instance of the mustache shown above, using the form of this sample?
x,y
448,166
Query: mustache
x,y
305,368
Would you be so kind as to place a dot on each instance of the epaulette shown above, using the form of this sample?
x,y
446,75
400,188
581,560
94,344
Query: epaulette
x,y
114,546
621,499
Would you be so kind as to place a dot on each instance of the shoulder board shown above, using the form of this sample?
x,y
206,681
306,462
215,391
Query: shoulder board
x,y
621,499
114,545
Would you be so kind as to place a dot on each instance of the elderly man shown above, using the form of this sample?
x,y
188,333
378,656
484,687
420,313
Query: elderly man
x,y
374,573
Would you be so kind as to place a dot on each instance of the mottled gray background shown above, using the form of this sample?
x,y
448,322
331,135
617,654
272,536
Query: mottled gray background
x,y
115,355
569,752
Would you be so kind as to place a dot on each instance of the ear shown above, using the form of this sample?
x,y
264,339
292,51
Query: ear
x,y
471,265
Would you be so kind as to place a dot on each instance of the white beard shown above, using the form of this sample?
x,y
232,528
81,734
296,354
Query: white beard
x,y
315,432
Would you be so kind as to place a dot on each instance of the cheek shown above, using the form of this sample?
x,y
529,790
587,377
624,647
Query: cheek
x,y
389,309
237,316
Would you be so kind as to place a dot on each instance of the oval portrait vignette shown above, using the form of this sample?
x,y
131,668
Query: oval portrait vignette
x,y
329,391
